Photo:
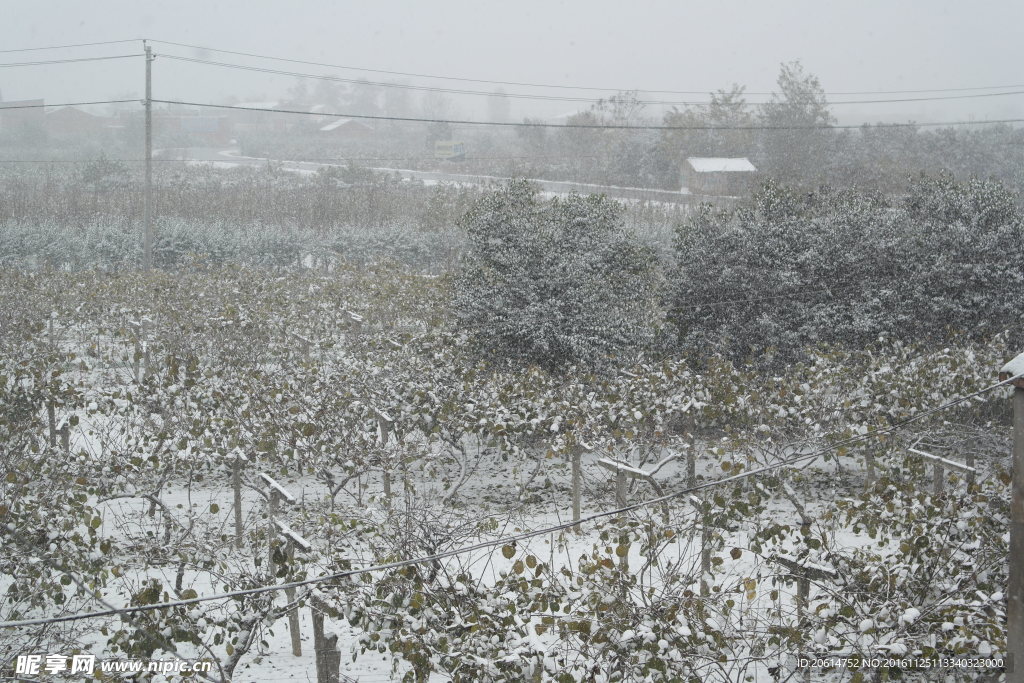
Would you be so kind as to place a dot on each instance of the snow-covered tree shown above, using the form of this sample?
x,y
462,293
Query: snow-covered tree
x,y
555,283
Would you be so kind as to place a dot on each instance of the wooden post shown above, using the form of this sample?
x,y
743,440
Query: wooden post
x,y
65,437
803,592
51,419
691,466
271,532
577,475
691,453
869,465
1015,585
705,545
147,203
137,359
705,557
325,648
236,483
384,427
1015,594
623,471
145,349
938,479
293,616
275,494
940,465
969,461
293,540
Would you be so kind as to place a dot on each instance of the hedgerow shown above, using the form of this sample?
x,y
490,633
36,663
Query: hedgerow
x,y
792,270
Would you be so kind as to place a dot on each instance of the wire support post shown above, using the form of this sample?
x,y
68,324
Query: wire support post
x,y
147,246
1012,373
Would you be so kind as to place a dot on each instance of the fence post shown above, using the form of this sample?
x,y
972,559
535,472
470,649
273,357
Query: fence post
x,y
577,474
705,545
275,494
325,648
620,488
51,419
236,483
293,615
1015,584
271,532
691,453
385,426
938,479
293,540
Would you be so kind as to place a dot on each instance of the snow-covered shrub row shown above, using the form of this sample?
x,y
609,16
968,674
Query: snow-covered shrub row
x,y
789,271
108,245
204,194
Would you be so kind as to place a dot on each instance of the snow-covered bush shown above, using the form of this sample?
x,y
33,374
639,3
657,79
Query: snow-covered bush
x,y
790,271
555,283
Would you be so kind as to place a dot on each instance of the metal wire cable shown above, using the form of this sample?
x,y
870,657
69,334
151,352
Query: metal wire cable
x,y
553,86
69,60
525,124
61,47
5,107
453,91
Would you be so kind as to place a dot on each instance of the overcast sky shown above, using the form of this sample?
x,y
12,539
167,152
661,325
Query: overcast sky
x,y
865,45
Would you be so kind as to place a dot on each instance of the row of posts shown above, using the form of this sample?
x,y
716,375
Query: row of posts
x,y
328,657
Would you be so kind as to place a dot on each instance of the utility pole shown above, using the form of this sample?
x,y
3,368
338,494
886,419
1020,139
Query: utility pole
x,y
147,208
1015,589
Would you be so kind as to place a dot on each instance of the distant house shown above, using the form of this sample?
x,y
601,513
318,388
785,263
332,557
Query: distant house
x,y
348,129
68,123
255,117
22,118
719,176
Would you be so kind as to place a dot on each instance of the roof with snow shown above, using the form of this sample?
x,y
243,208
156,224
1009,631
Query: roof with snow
x,y
720,164
259,105
339,123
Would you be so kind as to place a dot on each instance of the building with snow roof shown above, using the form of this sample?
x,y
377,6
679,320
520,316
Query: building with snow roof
x,y
718,176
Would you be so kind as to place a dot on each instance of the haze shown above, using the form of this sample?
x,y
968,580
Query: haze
x,y
864,46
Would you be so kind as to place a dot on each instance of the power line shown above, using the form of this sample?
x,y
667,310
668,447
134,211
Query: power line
x,y
525,124
515,538
4,106
553,86
318,160
61,47
70,60
379,84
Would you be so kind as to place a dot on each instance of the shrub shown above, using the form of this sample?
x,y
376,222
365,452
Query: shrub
x,y
554,283
844,267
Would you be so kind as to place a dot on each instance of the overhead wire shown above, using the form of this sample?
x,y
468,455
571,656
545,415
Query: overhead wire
x,y
550,85
5,107
610,126
69,60
515,538
72,45
318,160
453,91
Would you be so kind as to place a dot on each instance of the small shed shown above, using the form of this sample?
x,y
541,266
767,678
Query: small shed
x,y
719,176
